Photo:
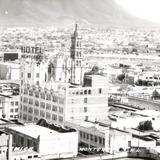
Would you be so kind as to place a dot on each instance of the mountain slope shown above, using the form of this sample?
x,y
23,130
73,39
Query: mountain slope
x,y
56,12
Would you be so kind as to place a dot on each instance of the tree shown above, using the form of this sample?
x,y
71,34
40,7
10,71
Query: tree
x,y
155,94
94,71
145,126
121,77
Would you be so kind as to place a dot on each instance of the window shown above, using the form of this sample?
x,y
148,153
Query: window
x,y
35,119
100,90
54,99
76,63
129,143
30,110
37,94
42,105
42,114
37,75
54,108
89,92
77,44
25,91
30,101
100,140
16,103
25,108
12,103
42,95
95,139
30,118
29,75
24,117
87,136
80,133
37,83
85,109
16,110
54,117
36,112
61,101
72,101
91,137
48,97
11,110
84,135
60,119
48,115
37,103
25,100
48,107
60,110
85,100
30,93
103,141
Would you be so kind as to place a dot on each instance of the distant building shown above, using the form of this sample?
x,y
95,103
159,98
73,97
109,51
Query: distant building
x,y
98,136
95,81
33,73
94,137
5,145
10,107
9,101
61,68
9,71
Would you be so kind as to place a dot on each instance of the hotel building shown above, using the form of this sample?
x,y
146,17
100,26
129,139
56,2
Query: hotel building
x,y
78,97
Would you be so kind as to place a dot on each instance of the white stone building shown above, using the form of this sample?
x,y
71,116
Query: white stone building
x,y
48,143
58,101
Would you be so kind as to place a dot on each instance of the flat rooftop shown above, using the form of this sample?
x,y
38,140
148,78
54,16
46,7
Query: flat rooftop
x,y
89,125
95,76
33,130
148,113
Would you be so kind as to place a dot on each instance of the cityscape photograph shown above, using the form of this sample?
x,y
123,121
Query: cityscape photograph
x,y
79,80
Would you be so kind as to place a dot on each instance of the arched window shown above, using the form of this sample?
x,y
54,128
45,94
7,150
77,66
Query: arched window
x,y
77,63
85,92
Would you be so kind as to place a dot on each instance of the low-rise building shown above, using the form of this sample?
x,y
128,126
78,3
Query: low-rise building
x,y
100,136
49,143
5,145
9,71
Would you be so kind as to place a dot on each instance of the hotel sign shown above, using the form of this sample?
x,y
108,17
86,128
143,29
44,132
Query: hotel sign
x,y
31,50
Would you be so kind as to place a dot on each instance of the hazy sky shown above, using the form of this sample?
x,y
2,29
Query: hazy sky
x,y
147,9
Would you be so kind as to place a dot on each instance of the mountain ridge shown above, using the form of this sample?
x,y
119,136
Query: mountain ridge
x,y
61,12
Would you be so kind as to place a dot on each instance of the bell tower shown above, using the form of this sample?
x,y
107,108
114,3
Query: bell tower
x,y
76,58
